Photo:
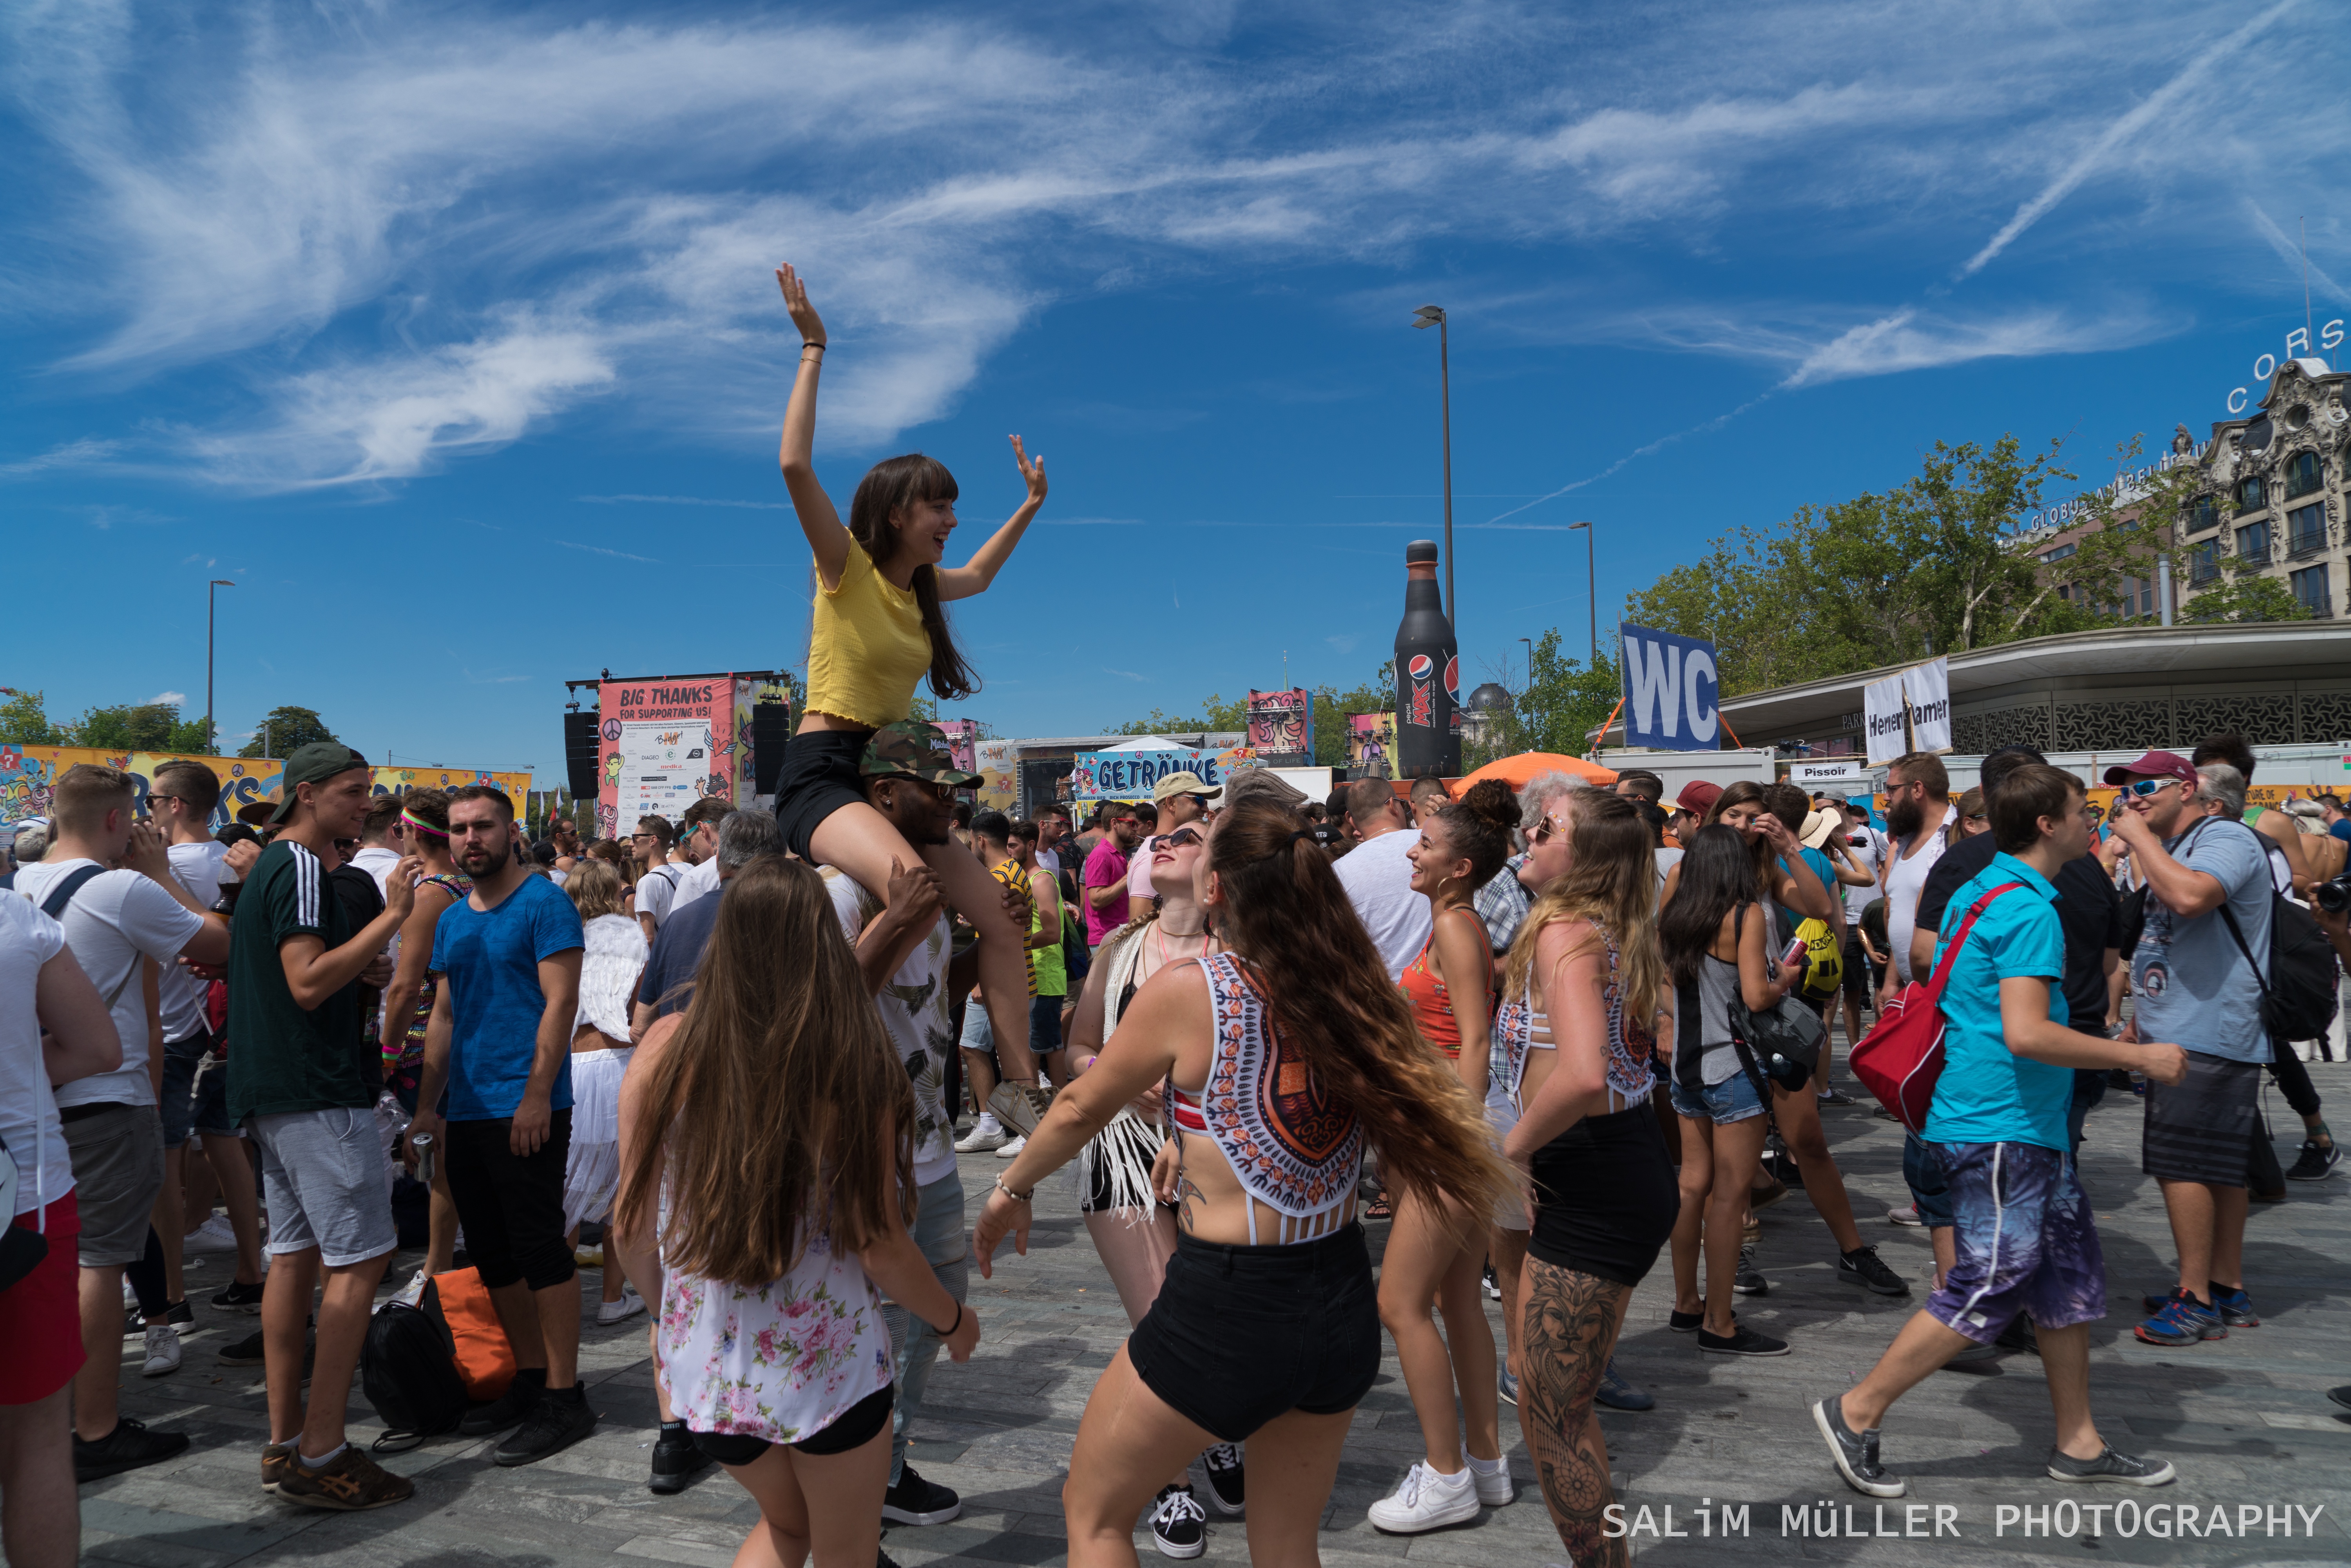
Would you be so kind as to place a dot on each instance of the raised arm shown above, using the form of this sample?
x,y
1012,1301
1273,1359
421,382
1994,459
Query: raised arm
x,y
963,581
796,456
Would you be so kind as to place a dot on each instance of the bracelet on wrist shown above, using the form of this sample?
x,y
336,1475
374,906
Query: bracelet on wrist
x,y
1015,1196
949,1332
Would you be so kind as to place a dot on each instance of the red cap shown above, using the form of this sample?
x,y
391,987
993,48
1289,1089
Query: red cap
x,y
1698,797
2155,765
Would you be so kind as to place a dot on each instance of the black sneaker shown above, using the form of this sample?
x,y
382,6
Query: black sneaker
x,y
509,1408
561,1417
129,1447
1741,1340
1227,1477
1179,1525
247,1352
1749,1280
1856,1453
914,1500
676,1459
2122,1469
240,1298
179,1316
1684,1323
2341,1396
2316,1163
1862,1267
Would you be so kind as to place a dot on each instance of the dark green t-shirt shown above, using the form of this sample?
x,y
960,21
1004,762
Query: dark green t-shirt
x,y
282,1057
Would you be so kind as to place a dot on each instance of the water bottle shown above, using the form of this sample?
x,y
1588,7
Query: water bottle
x,y
1427,673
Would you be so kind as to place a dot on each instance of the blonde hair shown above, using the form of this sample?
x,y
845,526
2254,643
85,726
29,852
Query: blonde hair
x,y
86,792
594,888
1612,884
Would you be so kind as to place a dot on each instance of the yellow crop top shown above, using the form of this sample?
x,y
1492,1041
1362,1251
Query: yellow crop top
x,y
867,648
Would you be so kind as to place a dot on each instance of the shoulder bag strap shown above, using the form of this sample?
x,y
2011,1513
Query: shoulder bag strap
x,y
1942,975
54,906
2229,916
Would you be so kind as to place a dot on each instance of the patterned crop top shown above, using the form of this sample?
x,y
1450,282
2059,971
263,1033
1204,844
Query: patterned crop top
x,y
1521,1026
1292,1149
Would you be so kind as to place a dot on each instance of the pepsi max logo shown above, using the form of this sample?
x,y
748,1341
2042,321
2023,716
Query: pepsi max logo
x,y
1419,667
1453,678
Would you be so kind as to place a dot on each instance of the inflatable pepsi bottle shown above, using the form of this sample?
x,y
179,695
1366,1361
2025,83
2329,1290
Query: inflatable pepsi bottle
x,y
1428,674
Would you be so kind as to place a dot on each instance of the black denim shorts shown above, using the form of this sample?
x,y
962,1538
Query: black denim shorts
x,y
820,777
1241,1335
854,1429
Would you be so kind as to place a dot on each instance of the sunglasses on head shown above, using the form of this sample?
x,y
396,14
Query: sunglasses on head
x,y
2144,786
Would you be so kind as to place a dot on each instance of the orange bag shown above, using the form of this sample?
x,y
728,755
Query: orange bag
x,y
460,1303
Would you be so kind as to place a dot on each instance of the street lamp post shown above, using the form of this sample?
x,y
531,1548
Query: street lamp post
x,y
1592,578
1432,316
211,737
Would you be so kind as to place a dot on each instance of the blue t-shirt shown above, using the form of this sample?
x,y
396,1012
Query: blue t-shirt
x,y
2340,828
1826,869
1987,1094
489,961
2190,982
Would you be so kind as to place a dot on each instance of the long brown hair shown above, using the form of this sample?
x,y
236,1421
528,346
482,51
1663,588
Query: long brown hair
x,y
1280,906
1766,860
1613,884
889,487
767,1112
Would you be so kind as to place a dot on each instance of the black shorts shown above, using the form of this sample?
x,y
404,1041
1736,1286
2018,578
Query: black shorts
x,y
820,777
2202,1128
1605,1198
511,1205
1858,970
1241,1335
853,1430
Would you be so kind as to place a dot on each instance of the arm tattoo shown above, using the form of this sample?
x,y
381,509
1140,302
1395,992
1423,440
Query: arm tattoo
x,y
1571,1329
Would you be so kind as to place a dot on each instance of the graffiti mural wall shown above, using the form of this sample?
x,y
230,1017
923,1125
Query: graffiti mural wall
x,y
28,772
1281,727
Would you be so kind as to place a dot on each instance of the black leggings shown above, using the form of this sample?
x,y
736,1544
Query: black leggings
x,y
2292,1079
147,1278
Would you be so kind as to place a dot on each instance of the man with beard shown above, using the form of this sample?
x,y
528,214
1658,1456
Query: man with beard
x,y
904,946
500,1043
1917,804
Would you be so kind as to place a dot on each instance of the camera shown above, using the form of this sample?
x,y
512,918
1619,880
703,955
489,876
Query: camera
x,y
2334,895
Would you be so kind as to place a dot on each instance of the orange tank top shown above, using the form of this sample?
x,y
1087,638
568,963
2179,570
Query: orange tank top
x,y
1432,1006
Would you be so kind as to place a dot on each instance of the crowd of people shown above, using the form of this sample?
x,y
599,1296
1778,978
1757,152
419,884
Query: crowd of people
x,y
1540,1036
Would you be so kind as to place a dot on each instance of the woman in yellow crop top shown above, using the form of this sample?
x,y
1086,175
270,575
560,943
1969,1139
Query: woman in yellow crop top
x,y
878,628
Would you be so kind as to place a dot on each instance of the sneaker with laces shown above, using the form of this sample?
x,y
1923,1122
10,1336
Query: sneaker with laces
x,y
162,1351
1426,1499
2122,1469
1862,1267
239,1298
1856,1453
1179,1525
129,1447
2235,1307
561,1417
619,1312
1228,1477
1906,1214
1019,1108
215,1235
914,1500
274,1457
1012,1151
1510,1387
1617,1393
1749,1280
1741,1340
349,1483
179,1317
2318,1162
2182,1320
1835,1097
677,1458
985,1137
1493,1484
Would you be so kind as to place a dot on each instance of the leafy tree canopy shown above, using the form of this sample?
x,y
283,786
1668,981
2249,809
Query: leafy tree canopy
x,y
25,721
286,730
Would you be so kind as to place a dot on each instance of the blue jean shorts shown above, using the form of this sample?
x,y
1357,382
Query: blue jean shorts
x,y
1733,1100
1930,1190
2026,1242
195,1093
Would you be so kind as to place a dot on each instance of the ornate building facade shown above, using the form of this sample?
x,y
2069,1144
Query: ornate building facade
x,y
2281,480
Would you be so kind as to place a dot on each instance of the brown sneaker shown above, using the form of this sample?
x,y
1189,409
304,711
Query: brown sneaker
x,y
351,1482
276,1459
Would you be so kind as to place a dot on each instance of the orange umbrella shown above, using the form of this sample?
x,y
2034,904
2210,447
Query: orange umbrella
x,y
1516,770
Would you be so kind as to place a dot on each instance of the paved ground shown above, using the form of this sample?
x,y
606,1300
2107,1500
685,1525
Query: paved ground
x,y
2244,1420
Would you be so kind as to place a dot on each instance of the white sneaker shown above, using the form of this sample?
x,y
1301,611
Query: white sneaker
x,y
411,1293
215,1235
1425,1501
130,1298
984,1138
1012,1151
621,1312
162,1351
1494,1490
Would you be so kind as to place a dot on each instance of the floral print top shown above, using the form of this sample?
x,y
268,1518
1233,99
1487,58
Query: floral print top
x,y
782,1361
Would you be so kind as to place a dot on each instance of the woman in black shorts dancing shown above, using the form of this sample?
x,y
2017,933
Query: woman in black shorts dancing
x,y
1281,1057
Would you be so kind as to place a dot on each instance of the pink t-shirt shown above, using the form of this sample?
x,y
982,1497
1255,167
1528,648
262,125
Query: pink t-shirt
x,y
1138,872
1105,867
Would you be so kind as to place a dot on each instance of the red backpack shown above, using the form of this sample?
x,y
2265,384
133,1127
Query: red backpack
x,y
1901,1058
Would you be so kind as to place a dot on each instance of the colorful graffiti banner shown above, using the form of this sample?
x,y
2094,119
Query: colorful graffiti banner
x,y
27,774
665,742
1132,775
1371,744
963,735
1281,727
997,762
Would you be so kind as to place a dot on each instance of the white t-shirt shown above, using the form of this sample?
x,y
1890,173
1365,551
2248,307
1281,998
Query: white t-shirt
x,y
198,867
28,1110
377,861
695,882
1867,854
118,919
1378,880
914,1008
1905,881
656,890
1051,861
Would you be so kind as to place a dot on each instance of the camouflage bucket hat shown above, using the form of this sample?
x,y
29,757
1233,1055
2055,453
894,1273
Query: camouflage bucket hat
x,y
913,749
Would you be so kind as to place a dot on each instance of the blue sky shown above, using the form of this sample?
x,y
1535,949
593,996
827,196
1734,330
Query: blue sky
x,y
450,334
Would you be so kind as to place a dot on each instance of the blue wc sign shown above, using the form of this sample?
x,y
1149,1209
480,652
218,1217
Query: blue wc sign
x,y
1670,690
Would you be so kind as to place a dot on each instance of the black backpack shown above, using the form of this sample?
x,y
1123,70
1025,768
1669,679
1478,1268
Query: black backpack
x,y
408,1369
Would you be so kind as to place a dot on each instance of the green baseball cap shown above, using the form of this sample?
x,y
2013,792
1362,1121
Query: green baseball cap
x,y
913,749
314,764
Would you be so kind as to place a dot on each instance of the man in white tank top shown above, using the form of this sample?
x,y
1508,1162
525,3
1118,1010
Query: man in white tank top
x,y
1918,809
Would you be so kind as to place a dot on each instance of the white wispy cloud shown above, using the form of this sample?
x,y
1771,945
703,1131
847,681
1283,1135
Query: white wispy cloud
x,y
167,699
1125,674
615,554
87,452
684,501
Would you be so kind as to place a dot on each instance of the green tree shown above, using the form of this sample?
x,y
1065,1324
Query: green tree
x,y
127,727
1566,700
2242,594
286,730
25,721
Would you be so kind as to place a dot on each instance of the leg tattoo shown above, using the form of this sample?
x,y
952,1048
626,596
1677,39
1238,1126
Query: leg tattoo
x,y
1570,1328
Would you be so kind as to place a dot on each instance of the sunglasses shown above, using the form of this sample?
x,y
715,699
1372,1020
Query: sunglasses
x,y
2145,787
1181,837
1543,831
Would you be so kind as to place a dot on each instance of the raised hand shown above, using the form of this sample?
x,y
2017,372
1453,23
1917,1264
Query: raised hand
x,y
795,301
1031,470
